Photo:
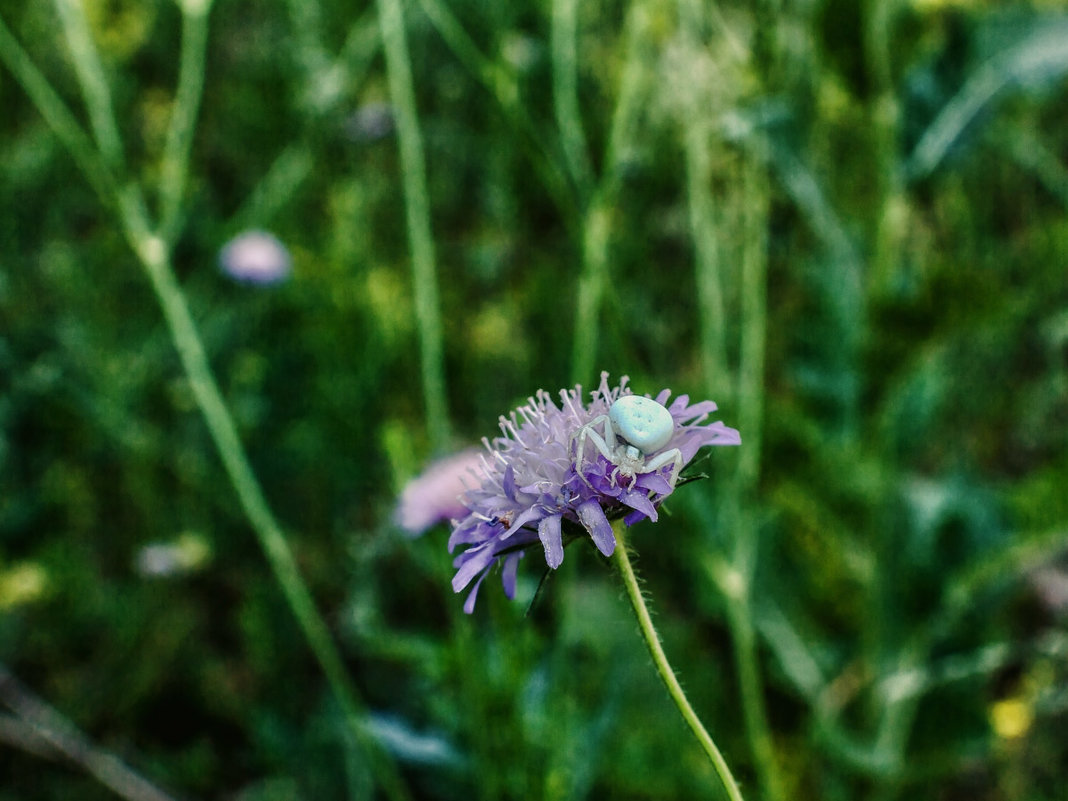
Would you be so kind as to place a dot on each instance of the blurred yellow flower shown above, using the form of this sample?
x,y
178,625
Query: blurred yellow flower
x,y
22,584
494,332
1011,718
389,303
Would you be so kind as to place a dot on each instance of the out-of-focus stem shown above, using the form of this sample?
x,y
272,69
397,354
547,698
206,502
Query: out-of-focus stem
x,y
749,395
153,251
155,258
697,140
174,170
597,219
750,406
417,208
596,235
44,731
58,117
294,164
502,85
736,515
734,584
891,206
92,80
565,93
708,279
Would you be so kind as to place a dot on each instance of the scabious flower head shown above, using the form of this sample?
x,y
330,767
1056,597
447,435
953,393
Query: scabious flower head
x,y
530,490
256,257
434,496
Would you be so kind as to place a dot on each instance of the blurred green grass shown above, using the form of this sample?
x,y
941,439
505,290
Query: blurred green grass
x,y
907,421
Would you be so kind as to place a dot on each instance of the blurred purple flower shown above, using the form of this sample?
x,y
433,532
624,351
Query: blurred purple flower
x,y
1051,585
370,122
189,552
256,257
530,493
434,496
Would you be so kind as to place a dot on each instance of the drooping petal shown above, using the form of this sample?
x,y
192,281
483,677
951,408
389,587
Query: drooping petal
x,y
474,560
549,534
640,503
593,519
469,604
508,573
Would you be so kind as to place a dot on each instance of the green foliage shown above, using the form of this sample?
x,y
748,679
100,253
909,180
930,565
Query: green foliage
x,y
845,222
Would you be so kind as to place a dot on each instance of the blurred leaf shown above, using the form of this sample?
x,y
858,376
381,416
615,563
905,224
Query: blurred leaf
x,y
1031,56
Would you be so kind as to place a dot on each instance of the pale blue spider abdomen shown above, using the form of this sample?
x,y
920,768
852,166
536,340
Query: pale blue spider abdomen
x,y
642,422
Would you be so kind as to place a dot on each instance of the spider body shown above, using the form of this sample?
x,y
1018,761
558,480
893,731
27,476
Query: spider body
x,y
635,428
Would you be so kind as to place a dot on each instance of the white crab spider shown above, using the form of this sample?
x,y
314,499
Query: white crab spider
x,y
634,428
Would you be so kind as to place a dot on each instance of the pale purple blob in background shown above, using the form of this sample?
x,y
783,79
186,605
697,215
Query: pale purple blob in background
x,y
256,257
435,495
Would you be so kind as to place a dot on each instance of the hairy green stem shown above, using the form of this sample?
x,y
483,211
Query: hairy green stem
x,y
417,208
663,667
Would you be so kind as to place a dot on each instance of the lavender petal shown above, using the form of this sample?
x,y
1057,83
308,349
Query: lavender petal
x,y
549,533
593,519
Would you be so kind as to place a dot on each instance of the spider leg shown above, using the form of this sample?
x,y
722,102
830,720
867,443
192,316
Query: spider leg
x,y
582,433
609,435
588,432
667,457
612,444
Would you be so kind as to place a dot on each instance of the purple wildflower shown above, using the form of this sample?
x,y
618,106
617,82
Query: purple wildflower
x,y
370,122
256,257
531,492
434,495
